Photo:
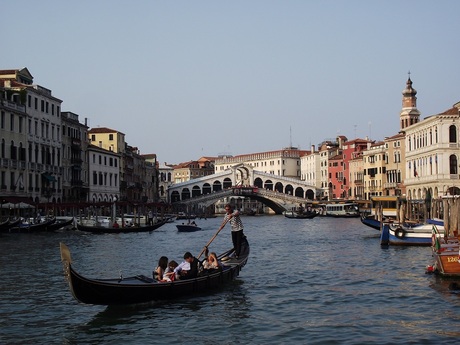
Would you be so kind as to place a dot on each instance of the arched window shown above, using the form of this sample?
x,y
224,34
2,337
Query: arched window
x,y
452,134
453,164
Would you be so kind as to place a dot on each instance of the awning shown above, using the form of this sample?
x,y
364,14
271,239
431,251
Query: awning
x,y
49,177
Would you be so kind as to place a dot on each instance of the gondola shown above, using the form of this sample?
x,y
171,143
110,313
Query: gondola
x,y
371,222
143,289
6,226
112,230
297,215
59,224
187,227
39,227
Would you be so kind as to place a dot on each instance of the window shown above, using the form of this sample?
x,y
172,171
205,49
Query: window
x,y
110,136
12,122
93,137
453,164
452,134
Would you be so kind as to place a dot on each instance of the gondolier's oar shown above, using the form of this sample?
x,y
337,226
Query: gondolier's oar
x,y
212,239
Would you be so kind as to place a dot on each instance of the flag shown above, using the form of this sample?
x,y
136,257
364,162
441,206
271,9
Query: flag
x,y
435,239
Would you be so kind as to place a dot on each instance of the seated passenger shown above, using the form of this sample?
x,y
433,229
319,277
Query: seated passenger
x,y
159,271
169,274
211,262
193,269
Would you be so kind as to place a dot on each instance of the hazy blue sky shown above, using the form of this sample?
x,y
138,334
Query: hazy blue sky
x,y
185,79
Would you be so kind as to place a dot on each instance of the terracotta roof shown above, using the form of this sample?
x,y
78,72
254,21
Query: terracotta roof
x,y
13,83
8,71
451,111
396,136
103,130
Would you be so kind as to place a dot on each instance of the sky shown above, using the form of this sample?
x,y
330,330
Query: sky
x,y
186,79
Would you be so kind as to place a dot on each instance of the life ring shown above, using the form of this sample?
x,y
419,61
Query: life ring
x,y
400,233
394,227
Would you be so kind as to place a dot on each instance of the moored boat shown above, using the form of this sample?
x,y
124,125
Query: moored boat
x,y
446,254
61,224
344,210
116,230
298,215
407,235
142,289
37,227
371,221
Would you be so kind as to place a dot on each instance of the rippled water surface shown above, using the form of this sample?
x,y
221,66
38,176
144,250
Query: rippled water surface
x,y
319,281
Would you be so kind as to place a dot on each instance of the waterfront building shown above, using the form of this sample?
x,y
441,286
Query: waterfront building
x,y
133,172
166,172
151,184
75,143
37,115
356,174
395,167
310,170
104,174
13,167
327,149
351,150
107,139
374,167
432,155
193,169
285,162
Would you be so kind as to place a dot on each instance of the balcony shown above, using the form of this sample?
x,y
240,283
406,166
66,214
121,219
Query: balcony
x,y
389,185
5,163
76,183
76,161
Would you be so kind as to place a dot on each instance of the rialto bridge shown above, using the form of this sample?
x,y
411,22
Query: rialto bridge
x,y
278,192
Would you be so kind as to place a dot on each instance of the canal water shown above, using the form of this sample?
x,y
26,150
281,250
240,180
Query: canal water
x,y
318,281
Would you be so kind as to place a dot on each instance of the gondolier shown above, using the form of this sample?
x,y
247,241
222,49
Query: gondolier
x,y
237,227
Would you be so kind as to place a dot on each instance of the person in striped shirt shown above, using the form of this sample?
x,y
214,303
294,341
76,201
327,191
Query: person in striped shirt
x,y
233,217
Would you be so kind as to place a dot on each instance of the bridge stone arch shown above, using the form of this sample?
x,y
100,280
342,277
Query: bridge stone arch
x,y
196,191
217,186
206,188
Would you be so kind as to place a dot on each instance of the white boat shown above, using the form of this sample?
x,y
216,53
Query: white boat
x,y
343,210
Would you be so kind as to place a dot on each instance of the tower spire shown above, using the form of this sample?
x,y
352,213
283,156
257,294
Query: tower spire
x,y
409,113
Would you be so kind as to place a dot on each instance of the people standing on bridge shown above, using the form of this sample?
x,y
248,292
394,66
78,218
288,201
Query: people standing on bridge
x,y
233,217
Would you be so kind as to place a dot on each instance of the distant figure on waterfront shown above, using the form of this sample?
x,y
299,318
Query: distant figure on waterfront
x,y
150,217
116,225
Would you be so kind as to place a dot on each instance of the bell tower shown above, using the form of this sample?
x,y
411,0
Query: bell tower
x,y
409,113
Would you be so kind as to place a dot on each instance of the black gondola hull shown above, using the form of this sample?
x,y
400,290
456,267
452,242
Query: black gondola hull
x,y
142,289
